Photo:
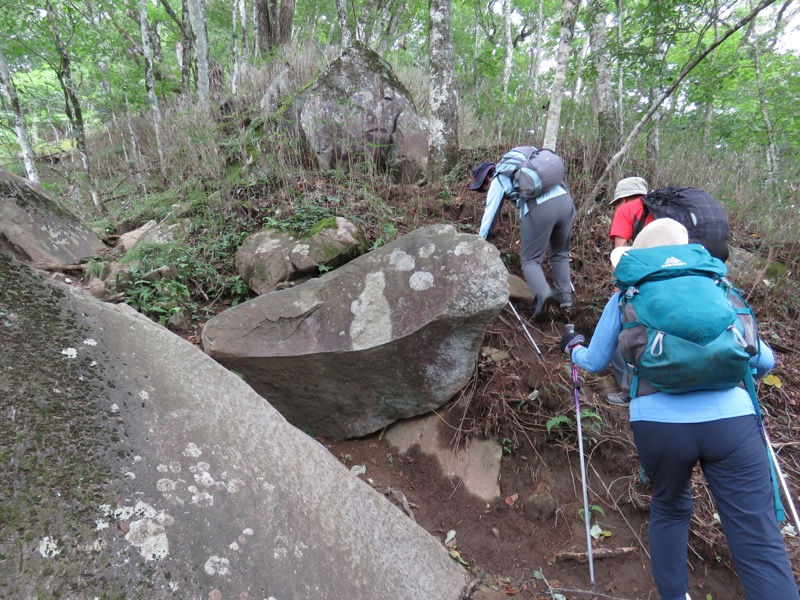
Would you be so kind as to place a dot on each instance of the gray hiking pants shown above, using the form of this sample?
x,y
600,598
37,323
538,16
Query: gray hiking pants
x,y
546,230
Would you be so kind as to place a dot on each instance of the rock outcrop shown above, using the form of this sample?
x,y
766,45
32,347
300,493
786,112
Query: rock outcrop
x,y
133,464
392,334
37,229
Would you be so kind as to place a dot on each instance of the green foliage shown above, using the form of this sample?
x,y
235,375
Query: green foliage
x,y
304,220
593,508
591,424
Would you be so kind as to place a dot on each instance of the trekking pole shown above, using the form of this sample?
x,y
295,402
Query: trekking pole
x,y
528,333
586,514
781,479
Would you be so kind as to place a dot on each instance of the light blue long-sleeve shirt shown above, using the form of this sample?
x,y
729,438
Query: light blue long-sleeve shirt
x,y
501,186
691,407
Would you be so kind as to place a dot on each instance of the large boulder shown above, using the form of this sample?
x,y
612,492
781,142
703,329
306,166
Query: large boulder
x,y
37,229
269,258
392,334
133,464
357,111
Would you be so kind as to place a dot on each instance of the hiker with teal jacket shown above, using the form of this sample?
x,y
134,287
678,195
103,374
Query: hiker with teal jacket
x,y
705,416
545,223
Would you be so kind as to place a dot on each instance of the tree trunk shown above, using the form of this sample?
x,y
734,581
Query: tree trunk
x,y
509,58
264,26
197,18
243,22
20,126
687,68
341,15
150,85
536,57
72,105
569,13
443,99
772,150
606,114
285,22
235,51
653,149
187,52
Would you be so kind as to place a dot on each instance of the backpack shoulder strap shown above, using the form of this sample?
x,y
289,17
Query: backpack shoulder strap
x,y
638,224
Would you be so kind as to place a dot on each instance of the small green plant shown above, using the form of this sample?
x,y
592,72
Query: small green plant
x,y
506,443
559,422
594,508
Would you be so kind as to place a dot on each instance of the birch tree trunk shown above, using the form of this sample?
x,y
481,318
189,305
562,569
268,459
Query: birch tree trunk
x,y
72,105
509,58
687,68
341,15
569,13
654,136
20,126
443,99
187,52
606,115
536,53
150,84
197,18
772,149
235,51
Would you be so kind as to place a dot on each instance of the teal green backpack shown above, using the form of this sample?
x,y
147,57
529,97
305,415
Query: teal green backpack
x,y
684,327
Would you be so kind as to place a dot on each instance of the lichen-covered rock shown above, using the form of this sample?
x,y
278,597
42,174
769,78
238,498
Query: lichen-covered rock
x,y
269,258
391,334
356,111
37,229
132,465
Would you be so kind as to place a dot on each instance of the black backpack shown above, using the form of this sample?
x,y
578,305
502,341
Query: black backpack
x,y
703,216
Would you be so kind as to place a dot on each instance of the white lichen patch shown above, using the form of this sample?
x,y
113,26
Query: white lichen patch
x,y
247,531
420,281
234,546
204,479
165,485
427,250
372,322
150,538
90,342
464,249
234,485
267,246
48,548
192,451
100,524
70,352
162,468
203,499
402,261
216,565
114,409
137,459
144,395
130,475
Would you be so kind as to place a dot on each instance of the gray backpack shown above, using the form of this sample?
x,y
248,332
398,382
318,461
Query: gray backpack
x,y
533,171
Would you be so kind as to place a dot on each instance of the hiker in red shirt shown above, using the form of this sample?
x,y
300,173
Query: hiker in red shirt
x,y
629,192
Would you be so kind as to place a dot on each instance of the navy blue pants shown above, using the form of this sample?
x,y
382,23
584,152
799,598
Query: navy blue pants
x,y
733,456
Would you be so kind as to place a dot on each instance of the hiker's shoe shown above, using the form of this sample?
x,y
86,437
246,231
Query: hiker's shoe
x,y
542,301
564,300
618,398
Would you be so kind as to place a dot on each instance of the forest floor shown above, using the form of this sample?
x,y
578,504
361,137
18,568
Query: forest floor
x,y
541,554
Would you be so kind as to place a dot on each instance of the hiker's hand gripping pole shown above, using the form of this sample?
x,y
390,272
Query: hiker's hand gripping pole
x,y
570,331
528,333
